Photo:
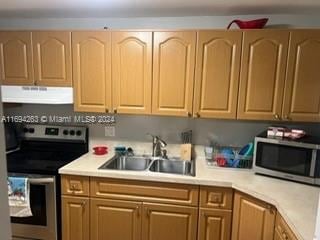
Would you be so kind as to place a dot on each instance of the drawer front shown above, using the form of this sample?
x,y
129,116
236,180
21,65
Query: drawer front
x,y
283,229
216,197
144,191
75,185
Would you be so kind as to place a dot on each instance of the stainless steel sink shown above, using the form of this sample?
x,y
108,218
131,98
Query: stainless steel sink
x,y
150,164
127,163
172,166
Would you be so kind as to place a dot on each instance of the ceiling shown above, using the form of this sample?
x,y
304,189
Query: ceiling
x,y
152,8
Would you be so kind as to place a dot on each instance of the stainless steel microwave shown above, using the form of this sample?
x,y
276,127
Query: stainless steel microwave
x,y
297,160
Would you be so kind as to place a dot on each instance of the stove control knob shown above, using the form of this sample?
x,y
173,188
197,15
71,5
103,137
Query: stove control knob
x,y
72,132
78,133
31,130
65,132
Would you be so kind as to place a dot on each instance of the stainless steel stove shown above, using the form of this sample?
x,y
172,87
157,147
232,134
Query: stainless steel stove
x,y
43,149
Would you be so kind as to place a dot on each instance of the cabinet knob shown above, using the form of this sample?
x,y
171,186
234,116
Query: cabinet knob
x,y
287,117
148,212
107,110
189,114
276,116
197,115
83,203
285,236
270,208
138,210
115,110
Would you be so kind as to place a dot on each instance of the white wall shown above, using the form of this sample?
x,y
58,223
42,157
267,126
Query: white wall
x,y
278,21
5,228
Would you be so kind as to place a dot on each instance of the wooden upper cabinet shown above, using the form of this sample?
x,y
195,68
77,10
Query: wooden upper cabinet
x,y
16,67
173,73
252,219
169,222
52,58
75,218
302,89
92,71
115,219
262,77
217,74
132,71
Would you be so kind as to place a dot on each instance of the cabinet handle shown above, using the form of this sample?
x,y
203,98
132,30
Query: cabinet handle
x,y
138,210
83,203
276,116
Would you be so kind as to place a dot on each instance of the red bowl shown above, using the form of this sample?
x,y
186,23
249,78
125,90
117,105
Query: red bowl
x,y
100,150
253,24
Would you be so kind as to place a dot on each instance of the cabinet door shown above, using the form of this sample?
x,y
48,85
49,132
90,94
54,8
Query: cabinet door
x,y
52,58
262,74
217,74
132,71
214,224
302,91
173,73
168,222
92,71
115,219
75,218
16,67
252,219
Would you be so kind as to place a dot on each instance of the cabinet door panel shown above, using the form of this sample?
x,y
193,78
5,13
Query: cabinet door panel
x,y
114,219
214,224
173,73
52,58
252,219
92,71
217,74
168,222
75,218
262,74
132,71
16,67
302,91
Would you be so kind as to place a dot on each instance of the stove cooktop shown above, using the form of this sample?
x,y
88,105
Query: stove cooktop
x,y
39,162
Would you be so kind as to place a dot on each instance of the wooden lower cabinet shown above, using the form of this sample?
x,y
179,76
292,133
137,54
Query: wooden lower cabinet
x,y
115,219
214,224
75,218
252,219
169,222
282,230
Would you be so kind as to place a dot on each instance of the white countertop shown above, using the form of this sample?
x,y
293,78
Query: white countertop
x,y
297,203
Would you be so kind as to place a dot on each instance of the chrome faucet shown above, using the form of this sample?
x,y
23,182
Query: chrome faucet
x,y
158,146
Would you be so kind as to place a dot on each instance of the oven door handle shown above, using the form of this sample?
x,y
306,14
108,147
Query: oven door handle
x,y
41,181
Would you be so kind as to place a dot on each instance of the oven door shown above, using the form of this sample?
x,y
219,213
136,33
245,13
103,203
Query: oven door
x,y
290,160
42,225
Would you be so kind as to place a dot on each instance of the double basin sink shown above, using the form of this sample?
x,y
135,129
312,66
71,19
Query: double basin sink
x,y
150,164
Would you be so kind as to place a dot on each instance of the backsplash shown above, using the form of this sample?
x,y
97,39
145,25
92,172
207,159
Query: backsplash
x,y
136,127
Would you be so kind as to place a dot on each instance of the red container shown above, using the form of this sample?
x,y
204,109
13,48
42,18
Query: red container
x,y
253,24
100,150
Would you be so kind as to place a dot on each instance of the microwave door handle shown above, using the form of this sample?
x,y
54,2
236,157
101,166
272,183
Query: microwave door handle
x,y
41,181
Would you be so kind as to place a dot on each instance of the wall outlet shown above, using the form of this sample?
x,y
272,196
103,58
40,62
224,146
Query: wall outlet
x,y
110,131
